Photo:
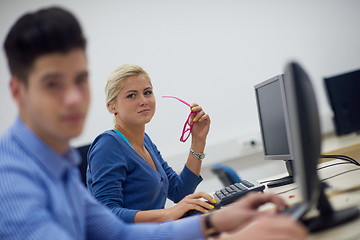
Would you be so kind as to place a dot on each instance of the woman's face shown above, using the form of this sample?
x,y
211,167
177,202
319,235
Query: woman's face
x,y
135,103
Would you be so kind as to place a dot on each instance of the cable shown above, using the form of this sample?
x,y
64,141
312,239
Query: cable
x,y
324,179
336,175
342,157
334,164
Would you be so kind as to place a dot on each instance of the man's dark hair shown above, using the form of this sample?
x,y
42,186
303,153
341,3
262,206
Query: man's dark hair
x,y
45,31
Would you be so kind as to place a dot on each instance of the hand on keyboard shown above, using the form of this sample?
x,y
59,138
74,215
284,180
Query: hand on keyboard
x,y
231,193
200,201
195,212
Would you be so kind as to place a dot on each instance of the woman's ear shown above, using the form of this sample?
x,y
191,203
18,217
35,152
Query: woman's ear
x,y
111,107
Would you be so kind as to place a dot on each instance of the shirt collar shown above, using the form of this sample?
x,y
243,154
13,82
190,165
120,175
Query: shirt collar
x,y
53,162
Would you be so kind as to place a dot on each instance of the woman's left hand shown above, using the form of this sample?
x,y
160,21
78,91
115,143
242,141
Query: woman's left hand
x,y
201,122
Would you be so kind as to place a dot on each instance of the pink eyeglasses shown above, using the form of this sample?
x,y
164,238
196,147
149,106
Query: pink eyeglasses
x,y
188,126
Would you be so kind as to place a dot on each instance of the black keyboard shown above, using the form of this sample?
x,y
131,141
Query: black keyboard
x,y
234,191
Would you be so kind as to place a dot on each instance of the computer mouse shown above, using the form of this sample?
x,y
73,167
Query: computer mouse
x,y
192,212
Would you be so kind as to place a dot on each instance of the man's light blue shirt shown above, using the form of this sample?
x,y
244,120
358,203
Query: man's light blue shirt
x,y
42,197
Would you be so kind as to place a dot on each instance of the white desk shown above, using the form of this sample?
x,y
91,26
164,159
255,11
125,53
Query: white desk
x,y
344,192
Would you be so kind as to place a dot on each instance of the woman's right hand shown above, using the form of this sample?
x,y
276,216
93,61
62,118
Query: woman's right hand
x,y
192,201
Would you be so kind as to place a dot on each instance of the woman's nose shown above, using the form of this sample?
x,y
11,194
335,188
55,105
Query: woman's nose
x,y
143,100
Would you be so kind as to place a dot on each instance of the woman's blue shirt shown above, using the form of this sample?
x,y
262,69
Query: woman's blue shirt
x,y
121,179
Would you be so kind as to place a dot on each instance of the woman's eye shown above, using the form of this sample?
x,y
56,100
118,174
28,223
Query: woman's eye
x,y
148,92
131,95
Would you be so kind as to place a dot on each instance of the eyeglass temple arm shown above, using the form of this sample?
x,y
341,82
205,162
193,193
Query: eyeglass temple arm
x,y
177,99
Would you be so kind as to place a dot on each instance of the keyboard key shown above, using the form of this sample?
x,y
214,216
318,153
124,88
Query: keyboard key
x,y
234,191
246,183
229,189
241,187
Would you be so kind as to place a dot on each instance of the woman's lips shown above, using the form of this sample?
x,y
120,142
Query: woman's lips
x,y
145,111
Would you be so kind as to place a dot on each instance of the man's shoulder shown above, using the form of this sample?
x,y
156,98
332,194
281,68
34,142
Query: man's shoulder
x,y
8,146
12,153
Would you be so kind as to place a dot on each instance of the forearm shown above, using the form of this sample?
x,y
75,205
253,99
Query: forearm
x,y
210,230
192,162
158,215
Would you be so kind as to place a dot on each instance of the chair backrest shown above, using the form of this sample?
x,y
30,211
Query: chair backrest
x,y
226,174
83,150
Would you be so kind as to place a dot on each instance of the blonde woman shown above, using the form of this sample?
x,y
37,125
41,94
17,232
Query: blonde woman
x,y
126,171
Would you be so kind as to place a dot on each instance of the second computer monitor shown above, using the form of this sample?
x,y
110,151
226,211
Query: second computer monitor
x,y
343,92
274,124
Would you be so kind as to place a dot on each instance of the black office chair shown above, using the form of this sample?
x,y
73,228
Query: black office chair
x,y
226,174
83,150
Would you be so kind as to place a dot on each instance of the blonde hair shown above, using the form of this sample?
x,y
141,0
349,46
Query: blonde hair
x,y
116,78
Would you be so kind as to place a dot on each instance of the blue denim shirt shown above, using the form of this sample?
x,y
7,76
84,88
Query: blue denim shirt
x,y
42,197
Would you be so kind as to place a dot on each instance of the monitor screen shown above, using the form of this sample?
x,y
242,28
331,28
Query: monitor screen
x,y
273,118
343,92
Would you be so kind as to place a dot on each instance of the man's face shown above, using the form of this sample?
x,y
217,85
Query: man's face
x,y
55,101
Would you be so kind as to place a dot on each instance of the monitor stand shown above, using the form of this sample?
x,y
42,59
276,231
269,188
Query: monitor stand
x,y
328,217
285,180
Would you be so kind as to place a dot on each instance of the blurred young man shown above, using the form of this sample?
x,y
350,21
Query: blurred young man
x,y
41,194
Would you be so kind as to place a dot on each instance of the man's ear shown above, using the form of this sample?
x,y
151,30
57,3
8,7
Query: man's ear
x,y
17,89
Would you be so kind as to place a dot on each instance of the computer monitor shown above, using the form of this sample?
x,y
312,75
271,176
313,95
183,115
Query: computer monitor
x,y
273,119
343,92
305,135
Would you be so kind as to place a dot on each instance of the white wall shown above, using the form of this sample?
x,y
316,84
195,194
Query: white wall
x,y
205,51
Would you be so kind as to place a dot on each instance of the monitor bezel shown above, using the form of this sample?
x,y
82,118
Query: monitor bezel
x,y
278,78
